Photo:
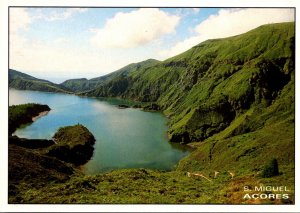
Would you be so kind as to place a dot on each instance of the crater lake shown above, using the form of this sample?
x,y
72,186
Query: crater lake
x,y
125,138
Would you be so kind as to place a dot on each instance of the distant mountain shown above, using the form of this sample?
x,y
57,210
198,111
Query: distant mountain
x,y
79,84
83,84
22,81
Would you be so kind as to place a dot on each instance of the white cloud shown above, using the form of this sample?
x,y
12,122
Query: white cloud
x,y
140,28
56,14
136,28
196,10
67,13
55,57
18,19
230,22
64,59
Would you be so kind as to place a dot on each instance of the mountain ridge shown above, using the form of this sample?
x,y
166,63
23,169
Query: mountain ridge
x,y
231,99
214,80
227,75
19,80
83,84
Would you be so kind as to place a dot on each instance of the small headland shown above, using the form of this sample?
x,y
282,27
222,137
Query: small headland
x,y
38,162
25,114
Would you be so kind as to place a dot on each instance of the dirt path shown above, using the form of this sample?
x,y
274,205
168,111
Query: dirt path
x,y
199,175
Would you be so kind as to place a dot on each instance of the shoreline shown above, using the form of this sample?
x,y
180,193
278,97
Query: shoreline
x,y
41,114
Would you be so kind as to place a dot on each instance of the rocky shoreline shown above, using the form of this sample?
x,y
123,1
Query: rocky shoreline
x,y
36,162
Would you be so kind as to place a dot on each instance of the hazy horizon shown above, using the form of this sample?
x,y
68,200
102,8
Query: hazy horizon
x,y
61,77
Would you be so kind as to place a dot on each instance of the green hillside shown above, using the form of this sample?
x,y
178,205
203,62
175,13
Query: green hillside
x,y
83,84
231,99
22,81
205,88
79,84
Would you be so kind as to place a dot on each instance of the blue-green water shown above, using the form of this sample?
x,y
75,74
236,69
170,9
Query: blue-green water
x,y
125,138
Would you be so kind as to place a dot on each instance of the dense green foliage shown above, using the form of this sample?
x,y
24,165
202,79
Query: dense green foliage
x,y
271,169
231,99
18,80
23,114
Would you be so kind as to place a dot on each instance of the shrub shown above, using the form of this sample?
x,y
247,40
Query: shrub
x,y
271,169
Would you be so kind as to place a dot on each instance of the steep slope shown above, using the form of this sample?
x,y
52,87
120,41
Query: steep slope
x,y
207,87
83,84
236,96
22,81
252,140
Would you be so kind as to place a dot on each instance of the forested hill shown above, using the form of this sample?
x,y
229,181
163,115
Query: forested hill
x,y
205,88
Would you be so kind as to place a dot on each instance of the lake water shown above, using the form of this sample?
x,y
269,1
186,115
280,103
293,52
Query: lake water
x,y
125,138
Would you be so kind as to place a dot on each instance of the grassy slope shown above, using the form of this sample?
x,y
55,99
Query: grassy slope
x,y
243,154
27,169
83,84
18,80
73,144
43,163
204,89
252,77
127,186
148,186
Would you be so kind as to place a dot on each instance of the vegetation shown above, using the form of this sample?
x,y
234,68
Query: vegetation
x,y
30,143
22,81
73,144
231,99
18,80
271,169
29,169
82,84
205,88
143,186
23,114
36,163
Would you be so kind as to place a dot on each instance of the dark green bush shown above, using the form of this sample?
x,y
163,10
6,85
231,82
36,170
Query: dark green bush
x,y
271,169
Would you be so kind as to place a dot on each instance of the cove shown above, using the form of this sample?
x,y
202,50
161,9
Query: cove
x,y
125,138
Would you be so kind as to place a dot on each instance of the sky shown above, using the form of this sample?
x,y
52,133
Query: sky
x,y
64,43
